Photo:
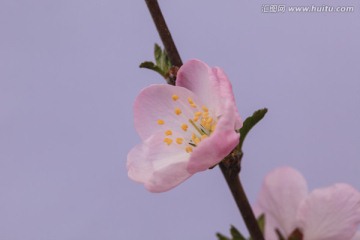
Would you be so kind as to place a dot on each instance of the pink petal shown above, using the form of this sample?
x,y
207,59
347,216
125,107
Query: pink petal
x,y
215,148
356,236
281,194
210,85
155,102
168,177
139,169
198,77
158,166
331,213
226,92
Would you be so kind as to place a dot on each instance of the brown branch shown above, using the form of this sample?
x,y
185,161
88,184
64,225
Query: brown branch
x,y
164,32
230,167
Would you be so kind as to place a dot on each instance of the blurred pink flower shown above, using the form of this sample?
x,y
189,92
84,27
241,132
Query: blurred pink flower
x,y
185,128
357,236
331,213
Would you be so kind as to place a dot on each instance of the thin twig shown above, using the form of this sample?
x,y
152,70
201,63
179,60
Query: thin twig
x,y
230,167
164,32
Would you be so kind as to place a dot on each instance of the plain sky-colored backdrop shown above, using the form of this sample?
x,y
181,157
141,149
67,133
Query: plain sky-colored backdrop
x,y
68,78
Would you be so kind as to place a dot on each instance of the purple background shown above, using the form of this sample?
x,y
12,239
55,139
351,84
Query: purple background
x,y
68,78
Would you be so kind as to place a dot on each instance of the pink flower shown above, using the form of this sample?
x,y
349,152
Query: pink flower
x,y
331,213
357,236
185,128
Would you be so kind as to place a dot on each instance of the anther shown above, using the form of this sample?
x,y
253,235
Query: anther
x,y
168,132
197,114
175,97
160,122
205,114
179,140
168,141
184,127
177,111
193,136
188,149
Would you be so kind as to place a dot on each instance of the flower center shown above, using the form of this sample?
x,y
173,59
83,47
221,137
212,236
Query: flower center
x,y
197,123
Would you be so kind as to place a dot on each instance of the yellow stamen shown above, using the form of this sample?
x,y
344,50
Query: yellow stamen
x,y
203,137
168,141
203,122
188,149
197,114
197,141
193,136
195,118
179,140
160,122
190,100
193,105
205,109
205,114
175,97
168,132
209,120
177,111
213,128
184,127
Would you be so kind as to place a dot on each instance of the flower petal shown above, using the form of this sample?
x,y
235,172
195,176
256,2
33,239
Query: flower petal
x,y
356,236
139,169
158,166
226,92
198,77
215,148
281,194
330,213
211,85
155,103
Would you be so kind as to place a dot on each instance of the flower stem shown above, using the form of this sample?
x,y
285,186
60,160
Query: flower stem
x,y
164,32
230,166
